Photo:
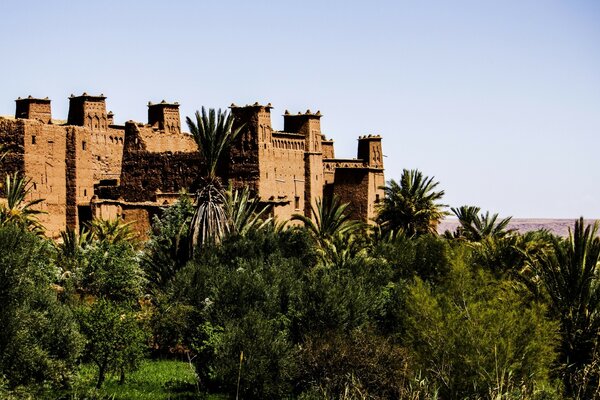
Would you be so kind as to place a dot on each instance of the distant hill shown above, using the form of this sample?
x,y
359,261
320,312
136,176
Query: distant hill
x,y
557,226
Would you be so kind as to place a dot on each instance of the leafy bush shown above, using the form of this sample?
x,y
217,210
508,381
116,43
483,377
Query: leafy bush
x,y
168,248
112,271
475,334
39,341
331,362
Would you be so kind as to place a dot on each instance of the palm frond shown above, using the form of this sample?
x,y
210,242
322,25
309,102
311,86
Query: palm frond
x,y
244,212
17,210
411,205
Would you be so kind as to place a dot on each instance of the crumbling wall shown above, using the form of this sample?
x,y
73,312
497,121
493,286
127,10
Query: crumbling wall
x,y
144,173
351,186
243,168
12,138
328,152
157,141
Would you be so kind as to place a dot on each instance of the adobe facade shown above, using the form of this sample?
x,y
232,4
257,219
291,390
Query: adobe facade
x,y
88,166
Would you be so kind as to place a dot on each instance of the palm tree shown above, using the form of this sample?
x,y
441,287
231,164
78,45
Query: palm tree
x,y
476,227
17,210
213,132
112,231
330,220
569,274
334,230
411,205
244,212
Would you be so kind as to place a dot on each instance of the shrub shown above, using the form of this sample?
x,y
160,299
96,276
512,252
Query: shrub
x,y
332,362
475,334
112,270
39,341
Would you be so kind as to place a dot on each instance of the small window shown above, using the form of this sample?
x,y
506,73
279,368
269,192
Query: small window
x,y
83,145
33,139
297,202
84,192
376,198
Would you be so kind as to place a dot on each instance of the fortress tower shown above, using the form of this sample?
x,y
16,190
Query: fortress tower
x,y
32,108
309,125
165,116
88,111
369,150
251,161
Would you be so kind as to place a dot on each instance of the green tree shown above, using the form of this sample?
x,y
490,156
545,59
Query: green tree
x,y
476,227
244,212
112,271
475,335
39,339
569,274
213,132
112,231
115,338
411,205
167,250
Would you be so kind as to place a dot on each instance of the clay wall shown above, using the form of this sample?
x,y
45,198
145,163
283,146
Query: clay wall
x,y
253,143
144,173
351,186
156,141
31,108
44,163
328,152
139,216
12,140
288,179
88,111
369,150
165,117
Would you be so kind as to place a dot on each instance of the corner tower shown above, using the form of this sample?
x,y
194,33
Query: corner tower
x,y
32,108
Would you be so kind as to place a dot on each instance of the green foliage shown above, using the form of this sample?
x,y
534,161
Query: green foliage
x,y
426,256
244,212
115,339
167,250
112,271
411,205
213,133
475,334
244,304
330,220
39,341
569,273
333,362
112,231
17,211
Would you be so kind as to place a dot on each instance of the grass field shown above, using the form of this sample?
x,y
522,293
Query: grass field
x,y
155,380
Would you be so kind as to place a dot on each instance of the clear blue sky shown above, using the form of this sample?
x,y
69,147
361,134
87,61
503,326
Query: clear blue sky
x,y
499,100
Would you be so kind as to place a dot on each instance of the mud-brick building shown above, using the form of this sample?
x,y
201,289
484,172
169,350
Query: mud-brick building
x,y
88,166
